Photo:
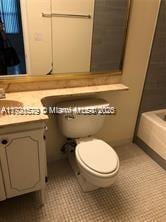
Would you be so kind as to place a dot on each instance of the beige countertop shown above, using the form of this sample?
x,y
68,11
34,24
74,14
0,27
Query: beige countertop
x,y
33,99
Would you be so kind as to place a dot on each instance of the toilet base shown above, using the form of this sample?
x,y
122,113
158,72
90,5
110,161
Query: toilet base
x,y
85,185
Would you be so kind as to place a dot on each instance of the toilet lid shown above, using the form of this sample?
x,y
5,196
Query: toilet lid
x,y
98,156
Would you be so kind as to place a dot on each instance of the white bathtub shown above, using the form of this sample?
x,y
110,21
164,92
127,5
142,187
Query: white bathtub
x,y
152,131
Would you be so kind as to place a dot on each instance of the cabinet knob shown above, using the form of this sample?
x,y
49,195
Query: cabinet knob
x,y
4,141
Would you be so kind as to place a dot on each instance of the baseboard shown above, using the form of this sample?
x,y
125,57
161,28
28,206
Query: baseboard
x,y
120,142
156,157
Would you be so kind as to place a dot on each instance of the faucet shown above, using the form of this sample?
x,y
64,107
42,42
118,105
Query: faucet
x,y
2,93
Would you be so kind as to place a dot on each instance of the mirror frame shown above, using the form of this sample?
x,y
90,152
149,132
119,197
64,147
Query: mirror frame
x,y
20,78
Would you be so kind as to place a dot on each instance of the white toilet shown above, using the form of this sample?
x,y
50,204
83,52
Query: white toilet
x,y
94,162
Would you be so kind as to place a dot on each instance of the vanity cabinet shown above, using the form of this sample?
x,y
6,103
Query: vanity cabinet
x,y
23,161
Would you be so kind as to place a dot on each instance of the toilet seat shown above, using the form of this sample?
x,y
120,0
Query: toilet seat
x,y
97,156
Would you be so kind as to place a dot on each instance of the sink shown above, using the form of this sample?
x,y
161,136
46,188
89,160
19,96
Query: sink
x,y
8,104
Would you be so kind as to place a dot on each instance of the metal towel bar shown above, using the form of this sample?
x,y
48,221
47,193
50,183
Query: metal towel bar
x,y
45,15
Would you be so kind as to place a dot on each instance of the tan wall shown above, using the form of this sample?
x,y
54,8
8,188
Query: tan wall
x,y
118,129
141,32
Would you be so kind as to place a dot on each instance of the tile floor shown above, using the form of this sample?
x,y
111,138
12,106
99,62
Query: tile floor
x,y
138,195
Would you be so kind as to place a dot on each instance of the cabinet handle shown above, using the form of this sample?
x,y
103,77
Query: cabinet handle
x,y
4,141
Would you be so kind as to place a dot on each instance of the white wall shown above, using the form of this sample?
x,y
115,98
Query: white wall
x,y
118,129
37,36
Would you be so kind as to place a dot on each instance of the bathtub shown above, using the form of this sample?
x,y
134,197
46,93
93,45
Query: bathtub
x,y
152,131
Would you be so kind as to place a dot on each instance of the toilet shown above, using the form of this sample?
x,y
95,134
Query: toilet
x,y
94,162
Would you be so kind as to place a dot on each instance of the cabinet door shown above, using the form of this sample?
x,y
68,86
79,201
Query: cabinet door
x,y
23,162
2,190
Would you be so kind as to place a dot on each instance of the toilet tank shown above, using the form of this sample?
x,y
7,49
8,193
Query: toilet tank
x,y
81,125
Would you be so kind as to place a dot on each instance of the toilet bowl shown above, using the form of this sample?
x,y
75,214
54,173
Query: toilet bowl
x,y
97,161
94,162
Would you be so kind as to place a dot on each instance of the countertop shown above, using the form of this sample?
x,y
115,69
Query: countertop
x,y
33,99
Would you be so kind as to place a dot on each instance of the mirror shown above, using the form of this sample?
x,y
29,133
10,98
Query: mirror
x,y
65,36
